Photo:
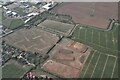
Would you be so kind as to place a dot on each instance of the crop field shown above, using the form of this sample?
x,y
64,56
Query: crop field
x,y
90,13
67,56
34,40
12,23
57,27
13,69
103,62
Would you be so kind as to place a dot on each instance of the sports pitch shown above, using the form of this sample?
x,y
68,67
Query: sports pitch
x,y
34,40
12,69
12,23
56,27
103,63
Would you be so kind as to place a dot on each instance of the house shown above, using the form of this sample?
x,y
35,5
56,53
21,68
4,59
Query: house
x,y
32,14
47,6
14,13
9,13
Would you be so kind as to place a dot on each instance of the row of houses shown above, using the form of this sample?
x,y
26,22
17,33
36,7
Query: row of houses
x,y
11,13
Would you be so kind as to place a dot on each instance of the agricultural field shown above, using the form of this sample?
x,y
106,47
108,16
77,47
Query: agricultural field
x,y
103,63
57,27
34,40
12,23
13,69
95,14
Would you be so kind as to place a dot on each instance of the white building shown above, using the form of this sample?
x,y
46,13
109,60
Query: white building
x,y
47,6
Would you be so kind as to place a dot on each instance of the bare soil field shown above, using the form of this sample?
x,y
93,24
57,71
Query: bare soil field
x,y
34,40
61,69
91,13
67,55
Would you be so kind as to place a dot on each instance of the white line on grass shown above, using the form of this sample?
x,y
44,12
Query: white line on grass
x,y
113,40
85,34
96,64
89,64
102,47
99,37
106,40
104,67
78,33
107,54
92,37
26,38
114,67
85,61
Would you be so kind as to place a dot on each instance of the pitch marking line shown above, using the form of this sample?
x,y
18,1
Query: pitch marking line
x,y
26,38
113,40
24,47
106,39
92,36
18,42
99,37
89,64
102,46
85,60
36,37
104,67
108,55
31,46
114,67
78,33
96,64
85,35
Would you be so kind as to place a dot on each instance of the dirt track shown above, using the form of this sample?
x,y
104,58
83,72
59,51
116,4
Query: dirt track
x,y
94,14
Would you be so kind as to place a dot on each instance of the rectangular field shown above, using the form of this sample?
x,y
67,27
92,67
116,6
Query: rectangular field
x,y
34,40
12,23
57,27
13,69
90,13
39,72
60,69
67,56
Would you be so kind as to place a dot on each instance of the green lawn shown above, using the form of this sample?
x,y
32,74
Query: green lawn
x,y
20,11
38,72
16,23
86,64
14,70
99,67
91,66
12,23
57,26
109,67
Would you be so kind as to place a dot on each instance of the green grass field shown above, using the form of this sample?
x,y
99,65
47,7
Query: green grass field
x,y
57,26
12,23
103,62
38,72
14,70
20,11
